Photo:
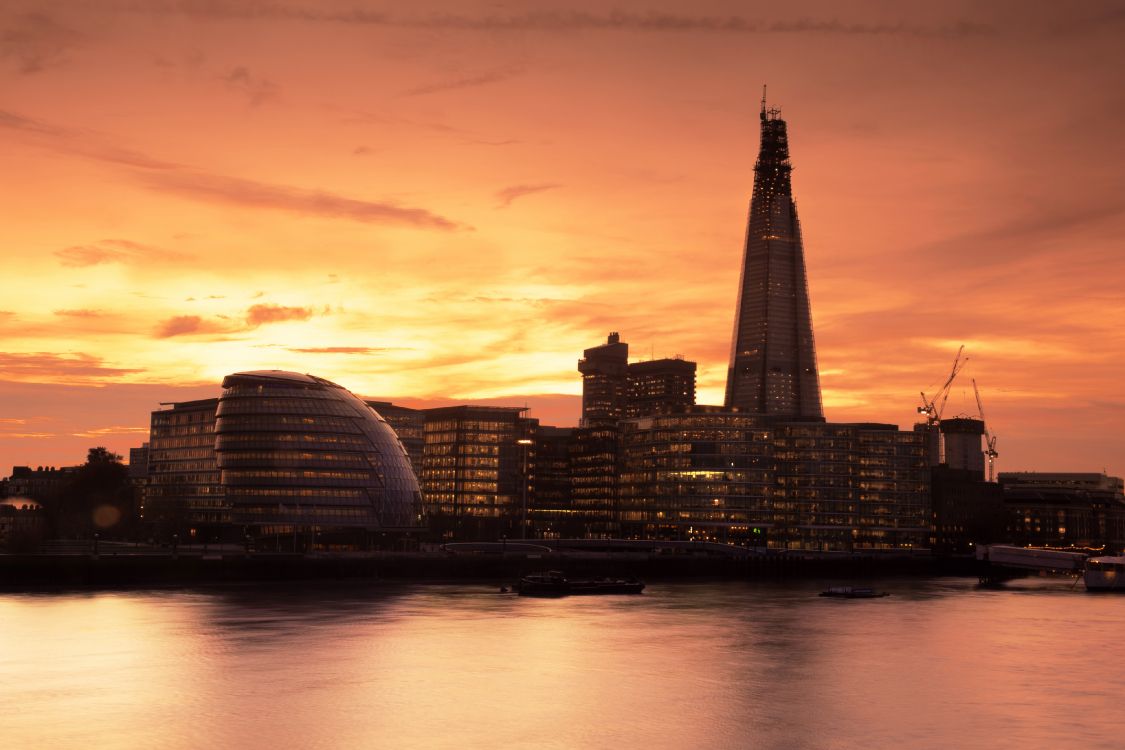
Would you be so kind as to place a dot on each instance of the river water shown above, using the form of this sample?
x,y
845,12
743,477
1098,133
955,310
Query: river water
x,y
938,664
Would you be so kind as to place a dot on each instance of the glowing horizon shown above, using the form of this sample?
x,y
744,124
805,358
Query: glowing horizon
x,y
451,203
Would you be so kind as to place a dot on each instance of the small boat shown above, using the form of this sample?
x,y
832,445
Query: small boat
x,y
554,583
852,592
1105,573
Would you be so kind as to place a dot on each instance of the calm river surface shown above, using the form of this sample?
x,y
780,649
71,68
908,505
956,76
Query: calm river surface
x,y
939,664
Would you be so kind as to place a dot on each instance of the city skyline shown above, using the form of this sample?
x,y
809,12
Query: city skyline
x,y
193,203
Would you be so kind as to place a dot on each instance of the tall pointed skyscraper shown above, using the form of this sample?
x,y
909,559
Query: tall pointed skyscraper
x,y
773,356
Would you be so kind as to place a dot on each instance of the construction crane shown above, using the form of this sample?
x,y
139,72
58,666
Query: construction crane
x,y
989,438
931,406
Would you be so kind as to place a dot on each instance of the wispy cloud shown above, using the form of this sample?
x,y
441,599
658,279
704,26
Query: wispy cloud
x,y
563,20
344,350
254,317
464,82
192,325
79,143
58,367
214,188
509,194
656,21
79,313
113,430
261,314
35,42
256,90
175,178
113,251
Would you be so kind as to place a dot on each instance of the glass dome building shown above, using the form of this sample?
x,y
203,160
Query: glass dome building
x,y
298,453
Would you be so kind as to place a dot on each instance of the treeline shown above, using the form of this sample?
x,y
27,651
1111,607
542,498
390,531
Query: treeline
x,y
97,498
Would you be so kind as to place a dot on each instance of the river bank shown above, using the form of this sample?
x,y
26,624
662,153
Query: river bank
x,y
116,569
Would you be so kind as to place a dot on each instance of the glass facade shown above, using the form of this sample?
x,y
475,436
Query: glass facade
x,y
474,470
773,355
184,495
737,478
299,452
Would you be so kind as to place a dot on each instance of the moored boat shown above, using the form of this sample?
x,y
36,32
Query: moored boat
x,y
852,592
554,583
1105,574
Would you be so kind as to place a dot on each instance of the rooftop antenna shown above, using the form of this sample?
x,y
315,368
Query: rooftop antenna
x,y
763,101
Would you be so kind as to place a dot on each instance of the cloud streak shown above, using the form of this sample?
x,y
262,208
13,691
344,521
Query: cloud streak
x,y
35,42
509,194
255,317
113,251
495,76
213,188
175,178
261,314
256,90
58,367
562,21
346,349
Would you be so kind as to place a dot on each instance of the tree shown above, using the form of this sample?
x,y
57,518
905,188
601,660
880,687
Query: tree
x,y
99,497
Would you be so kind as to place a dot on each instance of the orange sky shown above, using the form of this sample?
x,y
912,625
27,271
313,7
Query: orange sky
x,y
453,201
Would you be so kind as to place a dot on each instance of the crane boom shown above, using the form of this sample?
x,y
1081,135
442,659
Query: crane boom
x,y
989,438
930,406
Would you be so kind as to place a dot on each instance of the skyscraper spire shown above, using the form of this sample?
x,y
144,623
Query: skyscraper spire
x,y
773,356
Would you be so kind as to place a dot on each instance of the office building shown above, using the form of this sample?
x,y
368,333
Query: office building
x,y
773,367
660,386
474,471
961,437
552,511
716,475
1060,509
183,496
409,424
605,381
303,459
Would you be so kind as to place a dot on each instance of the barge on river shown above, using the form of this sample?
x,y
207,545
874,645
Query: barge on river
x,y
554,583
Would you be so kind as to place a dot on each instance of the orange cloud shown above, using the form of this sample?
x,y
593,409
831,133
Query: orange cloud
x,y
190,325
509,194
113,251
77,367
261,314
35,42
255,316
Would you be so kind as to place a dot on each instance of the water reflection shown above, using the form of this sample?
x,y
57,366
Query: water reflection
x,y
940,663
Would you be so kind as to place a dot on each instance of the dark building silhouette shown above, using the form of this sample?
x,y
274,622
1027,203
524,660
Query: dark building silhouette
x,y
552,513
1063,509
594,472
961,437
967,511
40,483
660,386
594,451
717,475
474,471
773,356
612,390
138,463
605,381
183,495
409,424
707,475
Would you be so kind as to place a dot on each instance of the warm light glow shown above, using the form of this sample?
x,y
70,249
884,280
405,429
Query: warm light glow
x,y
423,210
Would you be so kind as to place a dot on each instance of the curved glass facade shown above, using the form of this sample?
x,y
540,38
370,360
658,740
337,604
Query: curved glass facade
x,y
299,451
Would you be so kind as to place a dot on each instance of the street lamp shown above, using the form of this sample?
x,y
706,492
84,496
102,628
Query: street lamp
x,y
525,443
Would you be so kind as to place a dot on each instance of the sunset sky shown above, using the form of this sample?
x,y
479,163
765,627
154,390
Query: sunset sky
x,y
447,202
